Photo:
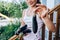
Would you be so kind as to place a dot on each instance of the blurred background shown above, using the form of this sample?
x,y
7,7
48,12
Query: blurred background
x,y
12,9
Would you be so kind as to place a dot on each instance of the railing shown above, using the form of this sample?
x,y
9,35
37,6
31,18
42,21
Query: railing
x,y
6,17
57,9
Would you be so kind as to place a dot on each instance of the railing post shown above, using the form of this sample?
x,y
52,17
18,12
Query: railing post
x,y
50,33
57,25
43,32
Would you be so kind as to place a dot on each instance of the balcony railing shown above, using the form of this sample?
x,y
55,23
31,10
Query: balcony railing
x,y
56,8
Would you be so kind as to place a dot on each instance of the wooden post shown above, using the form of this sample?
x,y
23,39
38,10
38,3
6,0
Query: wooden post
x,y
43,32
57,25
50,33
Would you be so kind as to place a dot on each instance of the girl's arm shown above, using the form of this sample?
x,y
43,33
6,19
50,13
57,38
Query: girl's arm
x,y
48,23
44,16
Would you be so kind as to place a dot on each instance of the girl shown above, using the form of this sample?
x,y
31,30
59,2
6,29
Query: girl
x,y
35,8
41,12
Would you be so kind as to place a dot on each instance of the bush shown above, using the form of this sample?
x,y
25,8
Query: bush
x,y
7,31
12,9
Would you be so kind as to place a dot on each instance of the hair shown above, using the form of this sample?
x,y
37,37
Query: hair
x,y
38,1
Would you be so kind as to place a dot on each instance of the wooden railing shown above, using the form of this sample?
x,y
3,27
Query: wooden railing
x,y
6,17
57,9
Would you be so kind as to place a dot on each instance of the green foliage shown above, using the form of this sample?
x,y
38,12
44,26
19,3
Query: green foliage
x,y
24,5
7,31
12,9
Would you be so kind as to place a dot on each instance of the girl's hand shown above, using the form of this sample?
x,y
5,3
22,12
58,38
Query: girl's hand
x,y
41,10
44,13
22,22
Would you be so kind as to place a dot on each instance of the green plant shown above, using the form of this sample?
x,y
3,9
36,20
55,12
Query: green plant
x,y
7,31
12,9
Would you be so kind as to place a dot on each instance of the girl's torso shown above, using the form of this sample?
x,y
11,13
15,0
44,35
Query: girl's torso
x,y
28,20
29,17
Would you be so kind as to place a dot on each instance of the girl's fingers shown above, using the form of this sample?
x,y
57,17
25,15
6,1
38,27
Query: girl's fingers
x,y
44,13
41,5
22,22
40,8
37,9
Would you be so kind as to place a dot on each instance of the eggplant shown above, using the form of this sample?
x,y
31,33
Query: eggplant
x,y
34,25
